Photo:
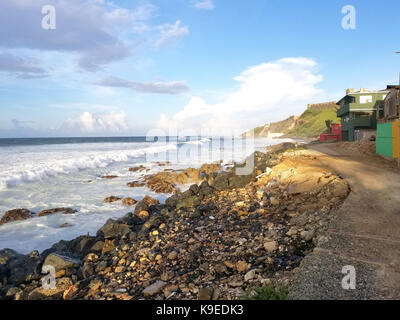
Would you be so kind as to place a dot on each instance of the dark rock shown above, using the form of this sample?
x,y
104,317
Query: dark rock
x,y
61,261
109,177
111,199
172,201
87,270
78,247
205,189
194,189
113,229
187,202
136,169
7,254
135,184
16,215
19,268
56,210
129,202
101,266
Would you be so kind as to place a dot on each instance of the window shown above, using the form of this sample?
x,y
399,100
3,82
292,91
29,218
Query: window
x,y
365,99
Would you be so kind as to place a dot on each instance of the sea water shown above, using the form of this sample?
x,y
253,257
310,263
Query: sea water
x,y
39,174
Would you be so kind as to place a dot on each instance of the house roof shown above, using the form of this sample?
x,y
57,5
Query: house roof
x,y
362,93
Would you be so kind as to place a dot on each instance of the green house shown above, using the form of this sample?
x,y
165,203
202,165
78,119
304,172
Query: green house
x,y
358,113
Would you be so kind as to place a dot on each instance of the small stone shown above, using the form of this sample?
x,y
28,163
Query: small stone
x,y
274,201
271,246
291,232
70,292
307,235
205,294
119,269
242,266
250,275
173,255
154,288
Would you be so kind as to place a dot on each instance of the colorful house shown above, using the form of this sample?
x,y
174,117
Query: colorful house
x,y
388,127
334,135
358,111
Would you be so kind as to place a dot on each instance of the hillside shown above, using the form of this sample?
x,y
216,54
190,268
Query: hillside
x,y
309,125
312,123
274,129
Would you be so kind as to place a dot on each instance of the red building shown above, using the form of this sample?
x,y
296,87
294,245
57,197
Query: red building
x,y
335,135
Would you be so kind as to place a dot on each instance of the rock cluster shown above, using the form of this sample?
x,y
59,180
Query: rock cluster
x,y
219,238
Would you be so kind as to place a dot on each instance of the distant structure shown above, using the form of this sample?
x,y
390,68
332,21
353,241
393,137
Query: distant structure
x,y
358,111
388,133
322,106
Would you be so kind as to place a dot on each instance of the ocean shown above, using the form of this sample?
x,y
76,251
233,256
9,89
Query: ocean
x,y
46,173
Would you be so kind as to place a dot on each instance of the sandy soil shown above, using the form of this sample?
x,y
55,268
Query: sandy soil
x,y
365,234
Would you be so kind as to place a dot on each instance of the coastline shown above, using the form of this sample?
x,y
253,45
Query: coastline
x,y
224,236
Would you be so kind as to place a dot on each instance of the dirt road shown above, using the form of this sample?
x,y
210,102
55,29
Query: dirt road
x,y
365,234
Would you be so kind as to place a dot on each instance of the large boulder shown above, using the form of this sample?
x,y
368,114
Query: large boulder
x,y
113,229
111,199
78,247
24,268
145,204
16,215
41,293
187,202
61,261
56,210
230,180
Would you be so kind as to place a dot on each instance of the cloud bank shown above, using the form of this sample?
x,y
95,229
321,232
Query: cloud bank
x,y
266,92
91,123
174,87
22,67
95,32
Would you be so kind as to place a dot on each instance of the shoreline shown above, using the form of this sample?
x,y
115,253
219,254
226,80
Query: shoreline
x,y
217,240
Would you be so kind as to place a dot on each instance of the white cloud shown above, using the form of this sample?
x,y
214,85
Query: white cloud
x,y
204,5
267,92
171,33
92,123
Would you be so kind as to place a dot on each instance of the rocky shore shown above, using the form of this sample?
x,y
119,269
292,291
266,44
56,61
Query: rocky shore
x,y
224,236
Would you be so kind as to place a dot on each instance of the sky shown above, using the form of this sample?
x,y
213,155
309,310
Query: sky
x,y
209,67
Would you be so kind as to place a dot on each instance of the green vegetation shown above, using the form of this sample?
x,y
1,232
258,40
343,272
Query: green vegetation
x,y
258,130
266,293
312,123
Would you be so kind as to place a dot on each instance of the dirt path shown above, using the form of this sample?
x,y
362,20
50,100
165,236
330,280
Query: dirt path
x,y
365,234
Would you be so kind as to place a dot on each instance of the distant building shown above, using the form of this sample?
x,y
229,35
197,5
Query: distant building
x,y
358,111
335,134
388,127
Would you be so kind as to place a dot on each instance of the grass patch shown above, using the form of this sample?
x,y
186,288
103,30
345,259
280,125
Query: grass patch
x,y
312,123
266,293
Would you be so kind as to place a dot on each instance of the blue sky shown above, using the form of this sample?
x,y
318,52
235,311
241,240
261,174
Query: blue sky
x,y
127,67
